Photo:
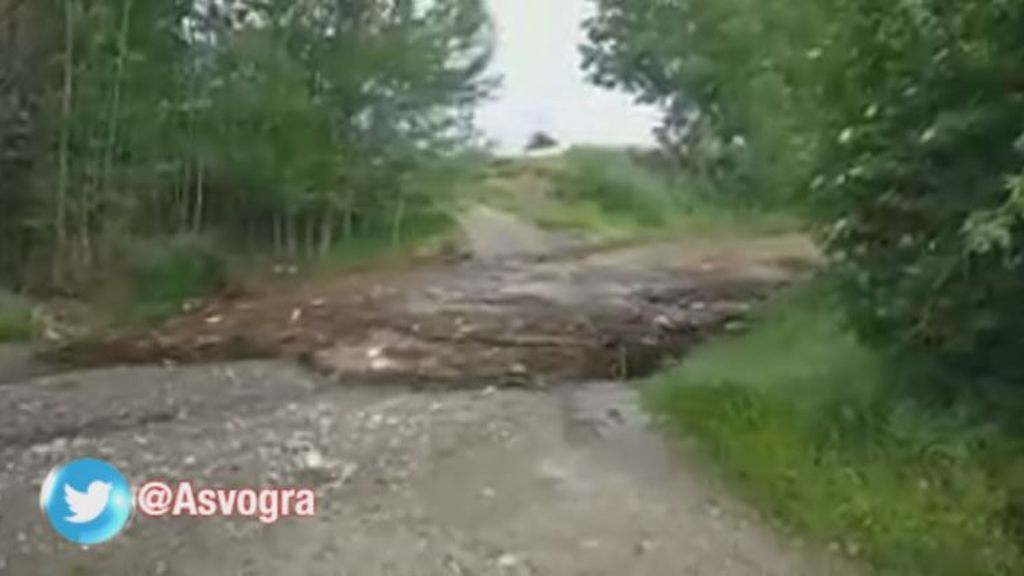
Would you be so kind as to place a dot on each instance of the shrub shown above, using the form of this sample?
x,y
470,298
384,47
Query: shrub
x,y
922,212
617,184
15,318
164,273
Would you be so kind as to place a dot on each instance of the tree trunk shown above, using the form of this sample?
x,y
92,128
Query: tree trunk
x,y
115,99
398,219
63,153
197,208
326,233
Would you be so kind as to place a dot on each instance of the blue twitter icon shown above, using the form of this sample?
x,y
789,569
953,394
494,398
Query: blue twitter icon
x,y
87,501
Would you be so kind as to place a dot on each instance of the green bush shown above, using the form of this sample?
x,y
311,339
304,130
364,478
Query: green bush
x,y
617,184
921,208
15,318
164,273
805,419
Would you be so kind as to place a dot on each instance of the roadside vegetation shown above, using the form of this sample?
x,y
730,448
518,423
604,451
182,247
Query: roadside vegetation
x,y
270,130
15,318
814,427
881,410
610,194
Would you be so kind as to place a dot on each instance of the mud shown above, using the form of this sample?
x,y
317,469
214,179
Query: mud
x,y
521,322
461,420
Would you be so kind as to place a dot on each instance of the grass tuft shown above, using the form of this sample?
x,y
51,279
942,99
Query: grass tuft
x,y
806,420
612,194
15,318
164,273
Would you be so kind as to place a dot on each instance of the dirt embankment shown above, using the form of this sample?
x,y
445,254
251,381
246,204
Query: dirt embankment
x,y
519,319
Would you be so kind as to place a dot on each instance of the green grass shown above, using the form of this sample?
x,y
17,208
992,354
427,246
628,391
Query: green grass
x,y
15,318
161,274
807,423
423,233
608,194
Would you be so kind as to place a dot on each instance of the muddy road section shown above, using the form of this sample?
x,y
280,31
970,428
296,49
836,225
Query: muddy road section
x,y
520,320
461,420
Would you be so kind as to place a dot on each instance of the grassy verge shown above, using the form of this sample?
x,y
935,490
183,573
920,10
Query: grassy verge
x,y
805,420
15,318
610,194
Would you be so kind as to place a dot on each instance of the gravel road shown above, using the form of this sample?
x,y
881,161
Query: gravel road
x,y
568,481
517,459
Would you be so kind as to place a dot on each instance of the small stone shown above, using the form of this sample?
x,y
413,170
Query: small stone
x,y
348,471
160,569
508,561
314,460
735,326
643,547
853,549
488,493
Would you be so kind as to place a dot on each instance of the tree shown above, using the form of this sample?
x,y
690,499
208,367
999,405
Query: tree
x,y
898,123
271,124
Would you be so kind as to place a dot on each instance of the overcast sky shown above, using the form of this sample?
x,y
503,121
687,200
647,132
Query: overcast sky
x,y
544,89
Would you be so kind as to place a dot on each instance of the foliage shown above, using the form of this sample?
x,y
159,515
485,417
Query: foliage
x,y
272,125
617,184
736,80
803,417
165,273
918,187
617,194
900,122
15,318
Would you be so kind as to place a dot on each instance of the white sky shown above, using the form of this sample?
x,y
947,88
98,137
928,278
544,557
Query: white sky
x,y
544,88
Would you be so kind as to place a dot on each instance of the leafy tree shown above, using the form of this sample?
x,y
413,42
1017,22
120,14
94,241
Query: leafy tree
x,y
900,123
271,124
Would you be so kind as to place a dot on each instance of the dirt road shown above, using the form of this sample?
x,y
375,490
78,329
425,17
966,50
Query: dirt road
x,y
458,419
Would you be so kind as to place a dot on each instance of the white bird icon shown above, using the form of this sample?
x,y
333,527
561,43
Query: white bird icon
x,y
87,506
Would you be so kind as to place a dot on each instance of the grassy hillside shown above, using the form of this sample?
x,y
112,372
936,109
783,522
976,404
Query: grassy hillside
x,y
607,193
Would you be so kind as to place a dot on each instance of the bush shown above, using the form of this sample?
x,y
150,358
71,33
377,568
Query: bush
x,y
804,418
164,273
917,192
15,318
617,184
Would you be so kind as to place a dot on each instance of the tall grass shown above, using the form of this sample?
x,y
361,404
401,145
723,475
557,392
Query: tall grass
x,y
161,274
15,318
611,193
810,423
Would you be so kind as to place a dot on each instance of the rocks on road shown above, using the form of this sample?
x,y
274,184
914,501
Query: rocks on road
x,y
477,482
460,419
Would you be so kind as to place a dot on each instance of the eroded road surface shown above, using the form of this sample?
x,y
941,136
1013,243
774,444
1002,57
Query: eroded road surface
x,y
461,418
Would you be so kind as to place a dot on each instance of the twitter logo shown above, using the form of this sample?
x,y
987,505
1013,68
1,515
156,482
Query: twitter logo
x,y
87,501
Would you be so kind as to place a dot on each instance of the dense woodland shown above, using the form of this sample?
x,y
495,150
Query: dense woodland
x,y
280,125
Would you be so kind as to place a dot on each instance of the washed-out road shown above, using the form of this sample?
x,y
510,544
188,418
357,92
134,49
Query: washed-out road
x,y
460,418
